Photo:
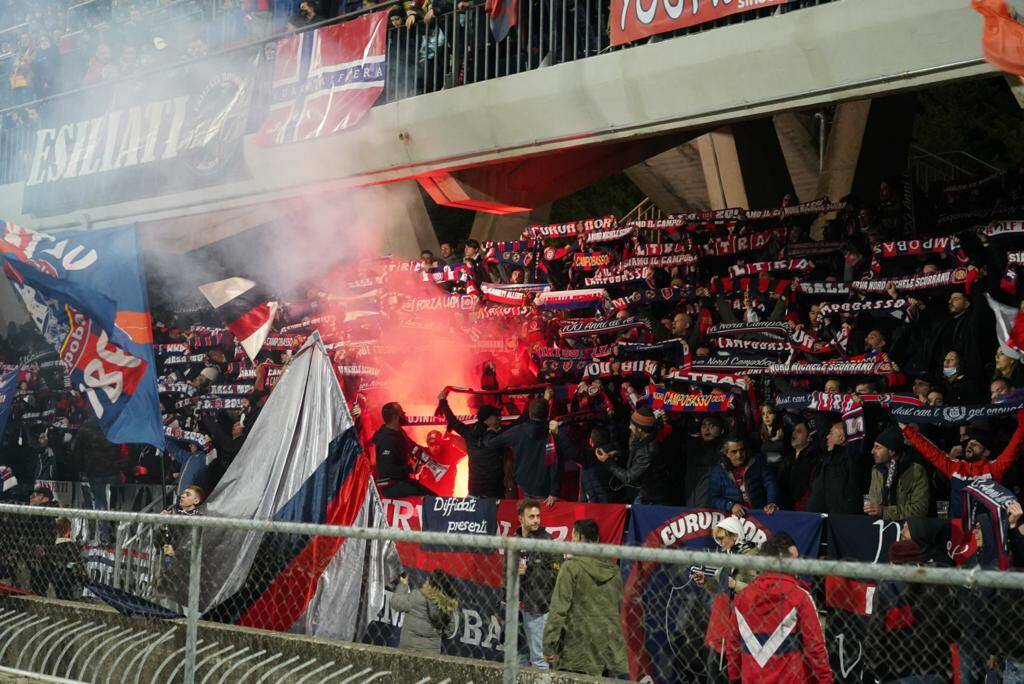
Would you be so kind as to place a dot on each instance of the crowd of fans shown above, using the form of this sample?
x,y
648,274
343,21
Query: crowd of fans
x,y
721,360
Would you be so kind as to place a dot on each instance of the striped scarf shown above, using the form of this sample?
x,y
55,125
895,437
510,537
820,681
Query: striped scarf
x,y
757,267
668,401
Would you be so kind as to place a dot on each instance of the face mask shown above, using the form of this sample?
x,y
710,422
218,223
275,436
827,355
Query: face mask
x,y
949,372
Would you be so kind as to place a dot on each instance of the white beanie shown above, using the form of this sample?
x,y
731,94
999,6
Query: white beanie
x,y
732,525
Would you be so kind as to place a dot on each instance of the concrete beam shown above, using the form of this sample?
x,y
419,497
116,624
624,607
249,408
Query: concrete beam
x,y
792,61
501,227
673,180
516,186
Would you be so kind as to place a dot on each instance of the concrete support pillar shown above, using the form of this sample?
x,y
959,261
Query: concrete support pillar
x,y
673,180
842,153
722,173
501,227
869,141
406,229
799,145
744,166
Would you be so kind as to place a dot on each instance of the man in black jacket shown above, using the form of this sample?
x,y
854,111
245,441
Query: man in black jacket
x,y
643,475
396,454
841,480
537,575
486,465
535,473
595,474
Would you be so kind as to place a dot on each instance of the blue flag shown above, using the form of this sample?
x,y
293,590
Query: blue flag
x,y
87,294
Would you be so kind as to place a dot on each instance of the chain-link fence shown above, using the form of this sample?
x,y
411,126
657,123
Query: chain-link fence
x,y
193,598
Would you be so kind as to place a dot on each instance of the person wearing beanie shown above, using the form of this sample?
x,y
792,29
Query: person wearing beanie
x,y
899,484
486,464
977,461
643,475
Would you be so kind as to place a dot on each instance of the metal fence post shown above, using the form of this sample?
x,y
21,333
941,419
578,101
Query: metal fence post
x,y
511,613
192,614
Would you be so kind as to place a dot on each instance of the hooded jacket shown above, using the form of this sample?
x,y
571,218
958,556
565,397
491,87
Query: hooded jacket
x,y
912,495
529,443
429,616
777,637
960,472
583,628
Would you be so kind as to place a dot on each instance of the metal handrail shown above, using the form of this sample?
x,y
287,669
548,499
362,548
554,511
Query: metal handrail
x,y
956,577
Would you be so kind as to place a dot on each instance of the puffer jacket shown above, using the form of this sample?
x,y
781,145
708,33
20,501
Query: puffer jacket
x,y
583,629
429,616
758,481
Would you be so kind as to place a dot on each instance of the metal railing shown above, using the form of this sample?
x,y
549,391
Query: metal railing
x,y
930,167
966,587
456,48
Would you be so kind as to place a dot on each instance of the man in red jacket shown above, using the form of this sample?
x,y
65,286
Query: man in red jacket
x,y
975,461
777,637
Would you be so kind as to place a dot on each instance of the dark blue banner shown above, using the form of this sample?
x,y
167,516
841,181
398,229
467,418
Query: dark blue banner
x,y
669,609
459,516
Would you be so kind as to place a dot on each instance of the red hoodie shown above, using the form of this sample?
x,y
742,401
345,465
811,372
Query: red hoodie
x,y
777,637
